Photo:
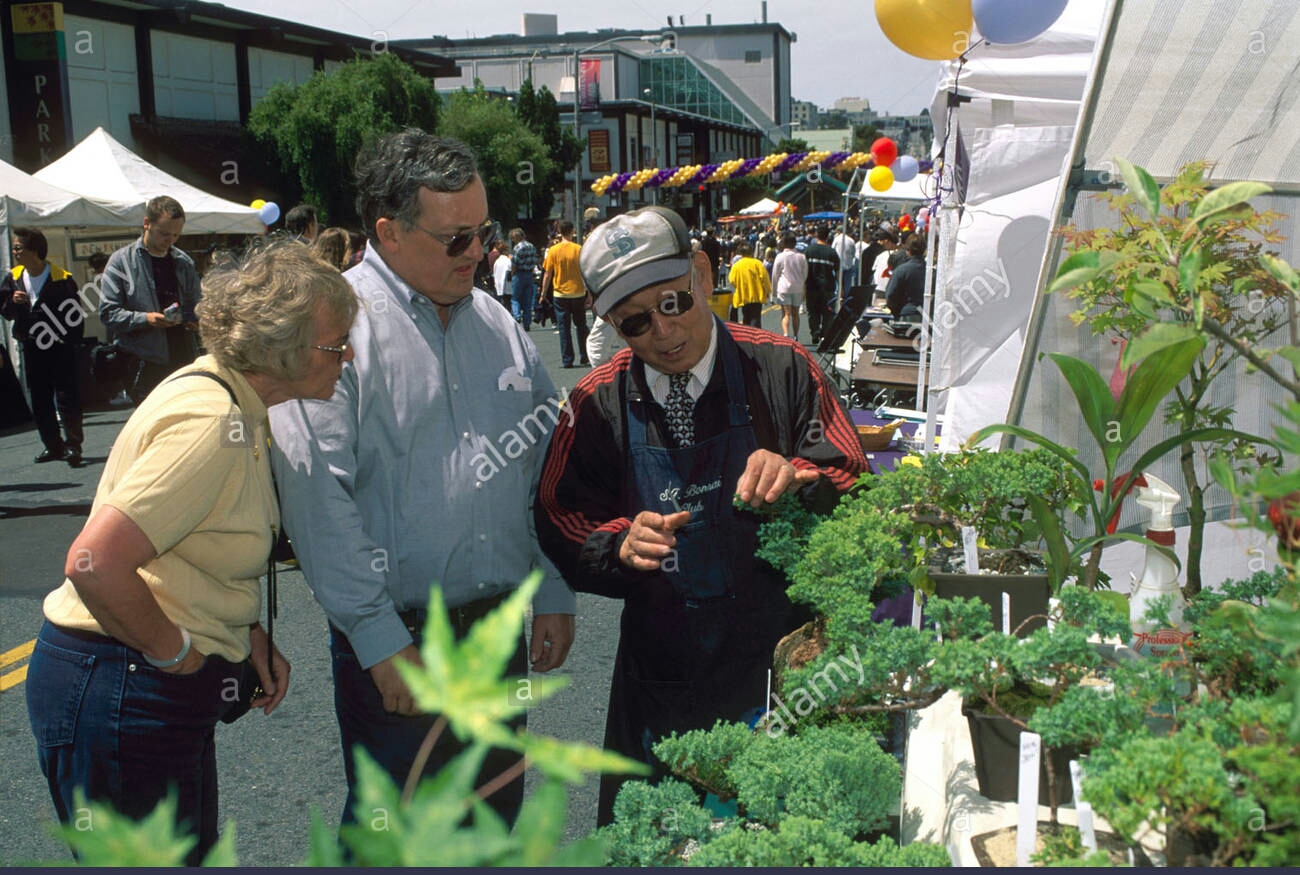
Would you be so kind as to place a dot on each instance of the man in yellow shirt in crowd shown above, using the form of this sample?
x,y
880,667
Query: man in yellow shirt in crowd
x,y
562,283
752,288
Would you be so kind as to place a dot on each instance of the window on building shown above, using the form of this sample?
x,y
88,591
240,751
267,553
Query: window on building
x,y
753,56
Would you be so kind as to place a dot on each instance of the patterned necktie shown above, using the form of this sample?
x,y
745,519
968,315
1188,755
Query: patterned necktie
x,y
680,408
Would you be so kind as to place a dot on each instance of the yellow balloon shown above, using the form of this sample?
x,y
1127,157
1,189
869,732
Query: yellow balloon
x,y
258,204
880,178
937,30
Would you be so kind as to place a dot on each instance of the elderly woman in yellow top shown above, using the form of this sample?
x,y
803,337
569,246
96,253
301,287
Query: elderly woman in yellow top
x,y
140,654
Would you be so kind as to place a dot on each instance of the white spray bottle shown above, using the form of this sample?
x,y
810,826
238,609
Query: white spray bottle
x,y
1159,574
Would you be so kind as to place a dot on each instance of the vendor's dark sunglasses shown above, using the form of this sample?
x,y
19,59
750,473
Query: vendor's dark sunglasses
x,y
458,243
670,304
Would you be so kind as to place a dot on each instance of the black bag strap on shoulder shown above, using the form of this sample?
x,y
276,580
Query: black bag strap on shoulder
x,y
272,608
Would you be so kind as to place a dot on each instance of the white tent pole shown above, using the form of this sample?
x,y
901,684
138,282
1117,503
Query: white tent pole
x,y
1067,193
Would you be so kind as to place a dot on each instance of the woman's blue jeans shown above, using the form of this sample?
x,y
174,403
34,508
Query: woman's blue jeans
x,y
126,733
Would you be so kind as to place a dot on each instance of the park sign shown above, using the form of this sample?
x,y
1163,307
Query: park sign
x,y
40,108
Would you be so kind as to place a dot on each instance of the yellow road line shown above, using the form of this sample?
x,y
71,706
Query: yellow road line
x,y
19,653
13,679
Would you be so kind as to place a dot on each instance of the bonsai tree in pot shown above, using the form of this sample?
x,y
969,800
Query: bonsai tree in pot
x,y
1178,259
1116,421
1197,745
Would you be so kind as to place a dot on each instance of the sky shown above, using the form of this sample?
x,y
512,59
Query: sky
x,y
839,52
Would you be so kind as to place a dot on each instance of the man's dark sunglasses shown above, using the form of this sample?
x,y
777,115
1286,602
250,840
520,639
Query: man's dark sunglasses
x,y
670,304
458,243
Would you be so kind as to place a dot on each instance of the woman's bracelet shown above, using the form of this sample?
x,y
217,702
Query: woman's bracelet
x,y
175,660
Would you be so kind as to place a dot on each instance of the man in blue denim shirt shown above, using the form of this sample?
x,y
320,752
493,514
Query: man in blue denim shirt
x,y
422,467
147,297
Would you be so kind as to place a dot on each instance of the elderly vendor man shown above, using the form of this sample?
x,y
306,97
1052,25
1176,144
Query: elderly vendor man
x,y
640,490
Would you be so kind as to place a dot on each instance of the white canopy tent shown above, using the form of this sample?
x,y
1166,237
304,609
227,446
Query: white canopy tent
x,y
104,171
919,189
765,207
26,200
1005,120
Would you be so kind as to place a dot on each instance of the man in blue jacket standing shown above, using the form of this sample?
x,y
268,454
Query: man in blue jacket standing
x,y
148,295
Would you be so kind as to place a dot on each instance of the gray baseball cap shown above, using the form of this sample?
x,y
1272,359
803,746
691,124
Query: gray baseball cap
x,y
633,251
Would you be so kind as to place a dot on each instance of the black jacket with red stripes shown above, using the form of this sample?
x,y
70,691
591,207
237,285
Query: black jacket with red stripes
x,y
582,511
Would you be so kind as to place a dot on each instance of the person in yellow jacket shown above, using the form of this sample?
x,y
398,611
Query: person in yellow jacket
x,y
752,287
41,299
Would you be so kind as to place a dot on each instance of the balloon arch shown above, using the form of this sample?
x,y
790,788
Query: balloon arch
x,y
887,166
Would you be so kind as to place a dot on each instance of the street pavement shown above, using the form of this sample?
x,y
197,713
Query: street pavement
x,y
273,770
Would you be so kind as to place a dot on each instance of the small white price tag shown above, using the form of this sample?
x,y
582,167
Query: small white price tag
x,y
1087,832
1031,748
970,547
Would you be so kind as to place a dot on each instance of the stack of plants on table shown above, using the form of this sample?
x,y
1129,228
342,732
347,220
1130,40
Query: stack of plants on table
x,y
1192,752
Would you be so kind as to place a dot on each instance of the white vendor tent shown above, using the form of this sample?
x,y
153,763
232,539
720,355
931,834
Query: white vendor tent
x,y
102,170
919,189
26,200
765,207
1004,120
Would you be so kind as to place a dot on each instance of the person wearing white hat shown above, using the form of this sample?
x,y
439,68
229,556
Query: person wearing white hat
x,y
641,489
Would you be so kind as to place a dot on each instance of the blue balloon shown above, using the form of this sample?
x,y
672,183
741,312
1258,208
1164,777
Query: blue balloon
x,y
269,213
905,168
1007,22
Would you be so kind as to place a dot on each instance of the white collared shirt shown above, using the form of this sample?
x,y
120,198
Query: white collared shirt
x,y
659,383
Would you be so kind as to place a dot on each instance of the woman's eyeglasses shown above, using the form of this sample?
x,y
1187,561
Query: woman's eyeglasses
x,y
341,350
458,243
670,304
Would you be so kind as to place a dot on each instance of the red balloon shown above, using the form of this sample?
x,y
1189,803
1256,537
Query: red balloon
x,y
884,151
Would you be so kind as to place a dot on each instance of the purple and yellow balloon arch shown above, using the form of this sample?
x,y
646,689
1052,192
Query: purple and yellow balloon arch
x,y
707,174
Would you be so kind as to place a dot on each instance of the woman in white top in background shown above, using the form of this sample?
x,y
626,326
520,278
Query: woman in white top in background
x,y
789,276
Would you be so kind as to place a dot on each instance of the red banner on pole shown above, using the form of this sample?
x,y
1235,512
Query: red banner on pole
x,y
589,83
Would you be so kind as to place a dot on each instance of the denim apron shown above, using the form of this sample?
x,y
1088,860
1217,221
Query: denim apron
x,y
696,640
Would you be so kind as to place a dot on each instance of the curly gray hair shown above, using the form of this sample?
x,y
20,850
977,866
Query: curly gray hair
x,y
390,175
259,315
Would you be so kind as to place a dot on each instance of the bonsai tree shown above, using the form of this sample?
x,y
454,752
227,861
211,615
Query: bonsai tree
x,y
820,795
1181,259
1116,422
1197,745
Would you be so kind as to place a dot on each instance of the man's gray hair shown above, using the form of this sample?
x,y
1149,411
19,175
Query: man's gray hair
x,y
391,173
258,315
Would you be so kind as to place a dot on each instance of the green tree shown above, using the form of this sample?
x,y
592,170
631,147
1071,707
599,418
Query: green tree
x,y
312,132
511,157
541,113
790,144
864,136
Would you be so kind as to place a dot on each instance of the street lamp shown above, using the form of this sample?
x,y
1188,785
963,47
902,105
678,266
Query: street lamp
x,y
661,38
654,140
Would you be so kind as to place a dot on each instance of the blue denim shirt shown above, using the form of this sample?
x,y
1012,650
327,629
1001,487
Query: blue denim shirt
x,y
422,467
127,294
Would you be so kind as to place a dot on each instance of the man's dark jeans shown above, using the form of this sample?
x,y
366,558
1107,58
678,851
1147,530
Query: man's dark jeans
x,y
572,310
392,740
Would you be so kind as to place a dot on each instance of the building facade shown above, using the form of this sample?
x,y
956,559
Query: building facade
x,y
173,81
665,98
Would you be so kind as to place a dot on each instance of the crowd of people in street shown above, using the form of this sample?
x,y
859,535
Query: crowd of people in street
x,y
378,444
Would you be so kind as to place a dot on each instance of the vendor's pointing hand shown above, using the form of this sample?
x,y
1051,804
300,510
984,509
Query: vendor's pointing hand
x,y
651,539
767,477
